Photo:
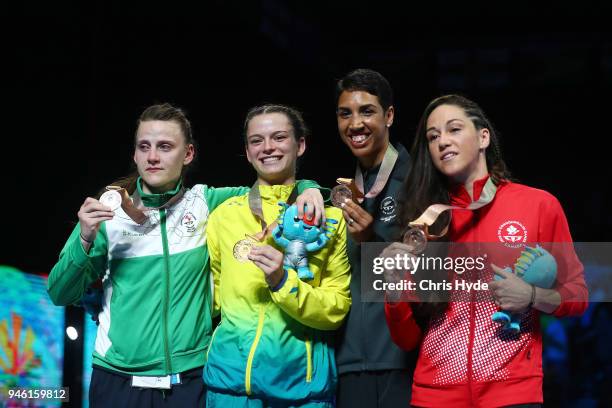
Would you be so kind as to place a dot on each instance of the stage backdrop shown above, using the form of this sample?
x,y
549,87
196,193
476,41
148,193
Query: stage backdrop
x,y
31,334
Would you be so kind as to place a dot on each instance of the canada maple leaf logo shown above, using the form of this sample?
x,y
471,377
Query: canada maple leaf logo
x,y
512,230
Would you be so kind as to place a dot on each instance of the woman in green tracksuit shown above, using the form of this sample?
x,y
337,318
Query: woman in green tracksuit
x,y
152,256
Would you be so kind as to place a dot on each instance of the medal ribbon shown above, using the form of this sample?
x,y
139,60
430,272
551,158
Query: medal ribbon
x,y
431,214
386,167
256,209
134,207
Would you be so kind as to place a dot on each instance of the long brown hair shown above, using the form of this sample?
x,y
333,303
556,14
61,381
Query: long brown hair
x,y
425,185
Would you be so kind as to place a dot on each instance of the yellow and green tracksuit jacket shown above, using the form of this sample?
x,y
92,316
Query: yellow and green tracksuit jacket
x,y
274,345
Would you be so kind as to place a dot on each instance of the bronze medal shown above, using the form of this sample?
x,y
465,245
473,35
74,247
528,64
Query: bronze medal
x,y
339,195
416,239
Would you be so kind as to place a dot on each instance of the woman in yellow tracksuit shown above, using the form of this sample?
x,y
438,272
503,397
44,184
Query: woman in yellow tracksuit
x,y
273,346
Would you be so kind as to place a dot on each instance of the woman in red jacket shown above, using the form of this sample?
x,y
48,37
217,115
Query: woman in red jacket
x,y
465,358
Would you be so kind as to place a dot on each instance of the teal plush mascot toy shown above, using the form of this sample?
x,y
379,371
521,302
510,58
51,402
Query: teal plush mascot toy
x,y
535,266
298,237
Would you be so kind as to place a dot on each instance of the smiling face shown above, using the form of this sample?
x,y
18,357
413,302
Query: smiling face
x,y
160,154
363,125
456,147
272,148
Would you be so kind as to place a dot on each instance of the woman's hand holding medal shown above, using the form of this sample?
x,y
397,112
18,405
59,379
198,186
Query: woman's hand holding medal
x,y
270,261
91,214
266,257
394,275
359,221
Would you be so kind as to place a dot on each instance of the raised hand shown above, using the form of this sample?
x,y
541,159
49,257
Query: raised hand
x,y
91,214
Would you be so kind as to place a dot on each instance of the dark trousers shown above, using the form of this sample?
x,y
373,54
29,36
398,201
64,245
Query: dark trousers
x,y
114,390
375,389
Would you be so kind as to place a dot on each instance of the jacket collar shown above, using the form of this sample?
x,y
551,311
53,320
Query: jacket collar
x,y
156,200
459,195
278,192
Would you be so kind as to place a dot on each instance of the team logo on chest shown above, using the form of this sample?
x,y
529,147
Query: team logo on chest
x,y
387,208
512,233
188,222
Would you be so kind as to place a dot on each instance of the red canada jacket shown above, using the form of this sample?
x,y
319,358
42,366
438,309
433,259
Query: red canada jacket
x,y
466,359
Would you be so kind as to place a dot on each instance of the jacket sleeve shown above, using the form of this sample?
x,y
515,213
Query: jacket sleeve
x,y
217,195
303,185
323,307
215,260
403,328
76,270
554,232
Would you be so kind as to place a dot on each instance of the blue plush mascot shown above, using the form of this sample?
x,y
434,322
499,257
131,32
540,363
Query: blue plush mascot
x,y
298,237
535,266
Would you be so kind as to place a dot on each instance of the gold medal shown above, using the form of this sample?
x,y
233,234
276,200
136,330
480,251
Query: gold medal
x,y
242,249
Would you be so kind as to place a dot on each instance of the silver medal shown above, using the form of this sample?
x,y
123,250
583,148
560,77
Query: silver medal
x,y
111,199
